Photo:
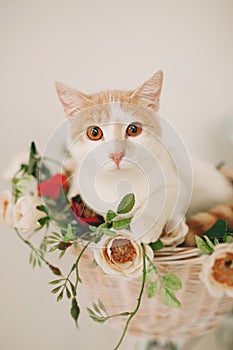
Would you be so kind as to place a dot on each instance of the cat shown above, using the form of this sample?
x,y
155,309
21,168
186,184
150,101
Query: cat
x,y
117,140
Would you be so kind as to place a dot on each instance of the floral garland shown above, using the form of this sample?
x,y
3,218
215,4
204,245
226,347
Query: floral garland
x,y
38,201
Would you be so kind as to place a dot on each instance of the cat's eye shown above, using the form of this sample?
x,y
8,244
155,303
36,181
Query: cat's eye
x,y
134,129
94,133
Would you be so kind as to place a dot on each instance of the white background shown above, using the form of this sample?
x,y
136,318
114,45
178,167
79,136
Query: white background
x,y
95,45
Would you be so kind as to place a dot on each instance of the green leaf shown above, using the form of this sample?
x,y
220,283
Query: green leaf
x,y
31,258
33,150
120,224
34,262
62,253
208,241
34,160
55,290
203,246
73,288
53,249
91,312
96,308
126,204
108,232
56,235
69,234
149,274
56,281
96,318
60,296
218,230
228,238
156,245
152,289
102,307
75,310
169,299
110,215
41,208
171,281
68,294
44,220
92,228
39,262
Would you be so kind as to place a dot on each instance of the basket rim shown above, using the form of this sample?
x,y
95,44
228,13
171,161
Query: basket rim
x,y
179,255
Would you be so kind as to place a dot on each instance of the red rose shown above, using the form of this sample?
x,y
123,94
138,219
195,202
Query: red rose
x,y
52,187
84,215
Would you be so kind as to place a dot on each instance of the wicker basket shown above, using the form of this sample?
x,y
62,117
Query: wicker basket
x,y
199,313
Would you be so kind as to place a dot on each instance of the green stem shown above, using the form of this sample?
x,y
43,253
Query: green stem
x,y
78,260
75,267
154,268
133,313
31,246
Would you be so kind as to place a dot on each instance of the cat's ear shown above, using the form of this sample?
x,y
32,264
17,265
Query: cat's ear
x,y
71,99
150,91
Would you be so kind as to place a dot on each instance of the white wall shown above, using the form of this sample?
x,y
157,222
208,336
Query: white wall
x,y
94,45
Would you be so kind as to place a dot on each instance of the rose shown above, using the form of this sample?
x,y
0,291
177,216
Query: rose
x,y
217,270
121,256
84,215
6,207
176,236
52,187
27,185
26,214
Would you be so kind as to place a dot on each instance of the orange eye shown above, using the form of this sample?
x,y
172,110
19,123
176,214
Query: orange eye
x,y
94,133
134,129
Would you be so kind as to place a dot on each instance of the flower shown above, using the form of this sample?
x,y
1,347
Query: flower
x,y
121,256
6,207
176,236
26,214
217,270
26,185
52,187
84,215
14,165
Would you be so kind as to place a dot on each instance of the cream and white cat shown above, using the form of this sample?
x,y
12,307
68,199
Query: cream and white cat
x,y
117,140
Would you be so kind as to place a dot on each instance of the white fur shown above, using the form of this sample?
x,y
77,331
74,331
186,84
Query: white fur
x,y
210,188
162,183
148,170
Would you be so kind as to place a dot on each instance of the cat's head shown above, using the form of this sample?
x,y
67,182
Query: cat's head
x,y
118,121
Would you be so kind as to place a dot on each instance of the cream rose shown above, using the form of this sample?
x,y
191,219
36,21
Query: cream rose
x,y
176,236
26,215
27,185
6,208
121,256
217,271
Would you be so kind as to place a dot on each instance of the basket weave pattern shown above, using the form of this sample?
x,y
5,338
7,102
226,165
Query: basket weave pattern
x,y
200,312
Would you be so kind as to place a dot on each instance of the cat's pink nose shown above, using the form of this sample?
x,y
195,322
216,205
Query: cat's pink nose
x,y
116,157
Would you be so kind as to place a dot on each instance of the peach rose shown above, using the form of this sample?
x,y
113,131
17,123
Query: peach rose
x,y
121,256
217,271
